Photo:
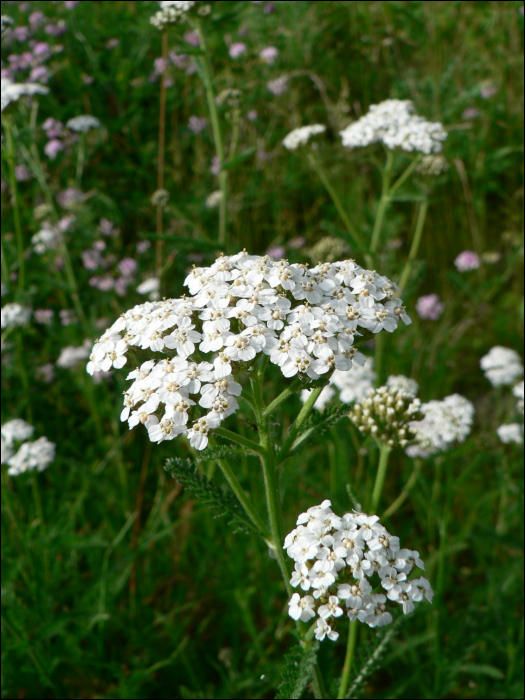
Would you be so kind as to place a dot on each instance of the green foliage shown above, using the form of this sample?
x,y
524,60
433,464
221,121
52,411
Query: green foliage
x,y
221,501
297,671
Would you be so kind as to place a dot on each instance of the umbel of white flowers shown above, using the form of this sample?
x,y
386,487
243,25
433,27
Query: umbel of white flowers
x,y
170,11
341,562
31,455
305,320
395,123
12,92
444,423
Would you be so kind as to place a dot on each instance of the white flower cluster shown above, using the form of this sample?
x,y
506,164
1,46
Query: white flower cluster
x,y
72,355
444,423
83,123
301,136
502,366
12,92
31,455
170,11
395,123
433,165
387,415
7,22
399,382
242,306
513,432
342,561
14,315
353,385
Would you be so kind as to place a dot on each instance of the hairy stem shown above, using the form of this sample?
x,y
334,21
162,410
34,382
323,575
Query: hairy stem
x,y
349,657
335,199
243,499
217,134
160,161
420,225
294,387
384,454
14,200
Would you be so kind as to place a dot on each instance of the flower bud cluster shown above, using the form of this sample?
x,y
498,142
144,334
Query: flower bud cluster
x,y
386,415
31,455
305,320
351,562
301,136
444,423
395,123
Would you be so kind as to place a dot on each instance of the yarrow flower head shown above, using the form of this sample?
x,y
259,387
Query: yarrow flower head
x,y
395,123
243,306
300,137
502,366
387,415
170,11
444,423
30,455
511,432
83,123
340,562
15,315
12,92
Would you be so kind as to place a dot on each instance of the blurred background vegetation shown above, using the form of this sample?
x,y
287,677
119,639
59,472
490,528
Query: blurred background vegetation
x,y
116,583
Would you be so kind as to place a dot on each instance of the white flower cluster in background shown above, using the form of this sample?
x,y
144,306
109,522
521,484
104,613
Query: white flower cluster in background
x,y
387,414
305,320
395,123
31,455
83,123
14,315
71,355
399,382
433,165
301,136
170,11
513,432
444,423
12,92
351,563
502,366
353,385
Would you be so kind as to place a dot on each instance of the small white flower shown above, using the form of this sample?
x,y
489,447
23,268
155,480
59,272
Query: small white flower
x,y
331,609
301,608
323,630
502,366
301,136
511,432
83,123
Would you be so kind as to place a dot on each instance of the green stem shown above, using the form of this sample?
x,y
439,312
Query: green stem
x,y
216,129
296,426
408,172
23,375
350,649
404,493
420,224
14,201
160,160
379,347
384,454
81,155
383,203
294,387
335,199
239,439
237,489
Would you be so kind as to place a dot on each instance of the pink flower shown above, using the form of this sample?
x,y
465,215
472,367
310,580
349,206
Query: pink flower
x,y
277,252
69,197
56,29
197,124
22,173
252,115
46,373
44,316
269,54
143,246
53,148
53,128
470,113
430,307
127,267
121,286
192,38
278,86
467,260
237,49
36,17
215,165
21,33
41,49
40,74
106,227
70,4
67,317
112,44
298,242
488,90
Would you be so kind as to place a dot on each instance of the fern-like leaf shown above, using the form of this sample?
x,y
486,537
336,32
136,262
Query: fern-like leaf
x,y
318,423
219,452
297,671
223,502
